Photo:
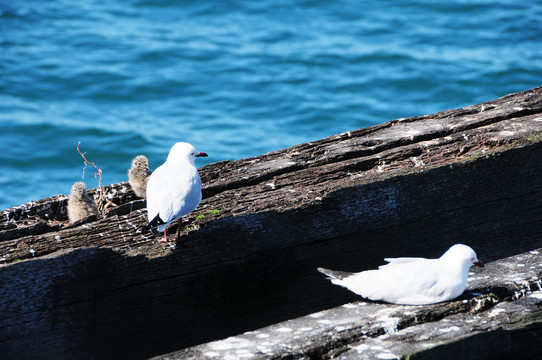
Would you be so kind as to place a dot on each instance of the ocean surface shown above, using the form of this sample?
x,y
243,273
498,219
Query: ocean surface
x,y
235,78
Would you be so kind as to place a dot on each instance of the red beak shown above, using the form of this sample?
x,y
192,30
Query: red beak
x,y
202,154
479,263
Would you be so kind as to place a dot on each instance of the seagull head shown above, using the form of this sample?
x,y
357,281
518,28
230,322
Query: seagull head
x,y
182,152
463,254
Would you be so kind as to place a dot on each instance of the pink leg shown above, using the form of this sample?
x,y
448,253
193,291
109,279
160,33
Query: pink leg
x,y
165,237
178,232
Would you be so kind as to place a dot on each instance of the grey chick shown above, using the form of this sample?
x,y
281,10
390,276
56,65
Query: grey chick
x,y
80,205
138,175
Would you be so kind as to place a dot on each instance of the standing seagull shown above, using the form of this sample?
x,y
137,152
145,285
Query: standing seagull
x,y
412,281
80,205
174,188
138,175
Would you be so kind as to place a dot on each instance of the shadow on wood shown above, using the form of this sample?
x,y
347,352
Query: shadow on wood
x,y
409,187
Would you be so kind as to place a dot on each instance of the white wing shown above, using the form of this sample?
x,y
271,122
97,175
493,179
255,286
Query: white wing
x,y
172,193
401,260
411,281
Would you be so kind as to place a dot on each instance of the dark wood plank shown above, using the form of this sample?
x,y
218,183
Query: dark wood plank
x,y
409,187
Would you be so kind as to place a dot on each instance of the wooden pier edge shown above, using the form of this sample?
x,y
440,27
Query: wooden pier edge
x,y
104,288
498,317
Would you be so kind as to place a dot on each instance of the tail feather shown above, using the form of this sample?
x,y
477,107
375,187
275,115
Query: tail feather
x,y
153,225
335,274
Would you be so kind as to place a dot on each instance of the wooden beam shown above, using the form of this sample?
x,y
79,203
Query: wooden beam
x,y
247,259
498,317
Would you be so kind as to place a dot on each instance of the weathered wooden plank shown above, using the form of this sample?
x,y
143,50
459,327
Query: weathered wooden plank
x,y
499,317
105,288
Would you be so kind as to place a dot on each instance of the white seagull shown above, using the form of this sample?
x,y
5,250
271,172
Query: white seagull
x,y
174,188
412,281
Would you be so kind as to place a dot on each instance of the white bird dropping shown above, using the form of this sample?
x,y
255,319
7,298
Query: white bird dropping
x,y
173,189
138,175
80,205
412,281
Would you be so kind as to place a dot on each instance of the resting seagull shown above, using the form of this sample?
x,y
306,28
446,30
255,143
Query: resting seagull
x,y
412,281
173,189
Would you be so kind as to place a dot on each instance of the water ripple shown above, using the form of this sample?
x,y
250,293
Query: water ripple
x,y
236,78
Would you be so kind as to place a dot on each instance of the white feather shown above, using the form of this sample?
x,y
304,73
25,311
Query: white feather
x,y
174,188
415,281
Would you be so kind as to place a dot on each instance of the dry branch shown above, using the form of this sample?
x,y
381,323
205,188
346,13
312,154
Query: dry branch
x,y
101,201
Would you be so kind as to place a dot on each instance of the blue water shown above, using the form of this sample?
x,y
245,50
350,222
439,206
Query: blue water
x,y
236,78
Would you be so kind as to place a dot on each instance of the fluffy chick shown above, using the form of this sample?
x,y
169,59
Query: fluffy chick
x,y
138,175
80,205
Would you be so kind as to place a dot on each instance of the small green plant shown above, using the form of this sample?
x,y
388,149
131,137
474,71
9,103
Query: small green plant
x,y
214,211
189,228
200,216
534,138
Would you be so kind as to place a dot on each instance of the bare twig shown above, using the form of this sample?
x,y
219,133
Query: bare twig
x,y
101,199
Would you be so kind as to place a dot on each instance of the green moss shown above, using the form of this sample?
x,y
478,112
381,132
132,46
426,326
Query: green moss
x,y
534,138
